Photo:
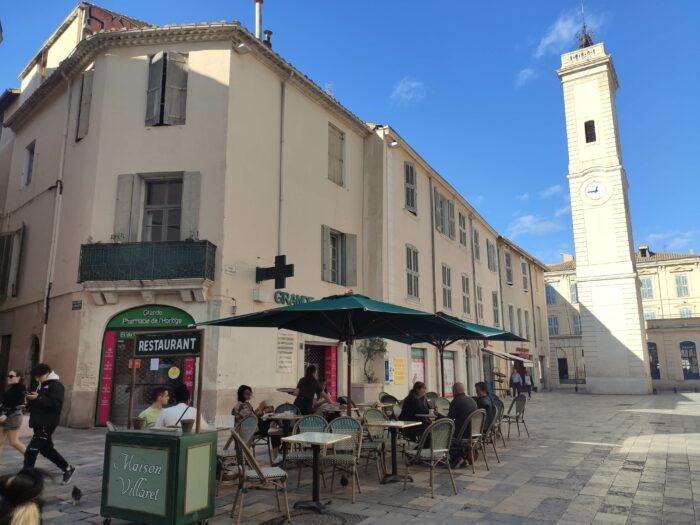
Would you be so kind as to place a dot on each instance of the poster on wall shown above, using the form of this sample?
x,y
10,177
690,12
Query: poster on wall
x,y
285,351
449,361
417,365
331,371
399,371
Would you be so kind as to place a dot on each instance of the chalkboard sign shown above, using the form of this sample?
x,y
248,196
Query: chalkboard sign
x,y
171,343
138,477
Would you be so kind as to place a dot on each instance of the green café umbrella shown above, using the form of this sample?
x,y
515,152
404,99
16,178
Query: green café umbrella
x,y
346,318
463,330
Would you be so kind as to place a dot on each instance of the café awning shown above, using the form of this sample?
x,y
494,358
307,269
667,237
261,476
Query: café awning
x,y
504,355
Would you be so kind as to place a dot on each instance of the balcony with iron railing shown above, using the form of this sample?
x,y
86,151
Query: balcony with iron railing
x,y
146,261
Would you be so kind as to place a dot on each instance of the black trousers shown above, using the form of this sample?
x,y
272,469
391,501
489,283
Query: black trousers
x,y
42,443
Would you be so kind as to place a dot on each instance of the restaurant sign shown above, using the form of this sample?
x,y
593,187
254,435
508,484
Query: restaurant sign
x,y
168,343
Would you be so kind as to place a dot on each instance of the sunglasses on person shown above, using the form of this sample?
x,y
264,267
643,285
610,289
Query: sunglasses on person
x,y
10,376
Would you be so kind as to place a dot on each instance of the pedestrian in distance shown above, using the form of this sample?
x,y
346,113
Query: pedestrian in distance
x,y
20,493
11,412
528,384
160,397
45,407
515,382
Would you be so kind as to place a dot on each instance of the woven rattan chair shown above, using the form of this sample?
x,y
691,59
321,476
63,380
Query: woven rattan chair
x,y
227,456
430,398
442,405
471,436
252,474
287,407
438,452
373,448
303,457
519,416
345,455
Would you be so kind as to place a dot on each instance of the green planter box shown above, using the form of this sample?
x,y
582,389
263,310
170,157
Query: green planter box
x,y
159,478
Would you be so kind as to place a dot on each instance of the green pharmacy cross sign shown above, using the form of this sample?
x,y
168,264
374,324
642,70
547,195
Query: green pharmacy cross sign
x,y
279,272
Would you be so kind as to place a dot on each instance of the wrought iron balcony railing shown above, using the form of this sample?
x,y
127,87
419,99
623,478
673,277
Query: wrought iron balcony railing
x,y
146,261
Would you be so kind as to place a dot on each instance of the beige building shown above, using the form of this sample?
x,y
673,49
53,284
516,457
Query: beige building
x,y
669,286
147,172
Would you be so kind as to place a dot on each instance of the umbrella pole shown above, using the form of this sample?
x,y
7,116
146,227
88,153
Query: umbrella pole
x,y
349,396
441,351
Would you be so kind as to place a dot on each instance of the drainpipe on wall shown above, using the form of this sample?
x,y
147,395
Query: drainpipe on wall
x,y
500,288
283,91
532,317
479,361
432,239
56,217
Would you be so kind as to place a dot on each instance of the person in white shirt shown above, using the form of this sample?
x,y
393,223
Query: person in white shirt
x,y
515,382
528,384
172,416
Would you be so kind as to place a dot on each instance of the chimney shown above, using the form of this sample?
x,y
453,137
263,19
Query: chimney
x,y
567,257
267,41
258,19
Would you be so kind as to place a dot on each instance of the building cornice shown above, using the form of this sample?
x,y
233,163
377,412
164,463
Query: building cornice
x,y
86,51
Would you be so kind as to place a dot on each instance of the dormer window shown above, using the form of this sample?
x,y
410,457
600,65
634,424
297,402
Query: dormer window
x,y
589,127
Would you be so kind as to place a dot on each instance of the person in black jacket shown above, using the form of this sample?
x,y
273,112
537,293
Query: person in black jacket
x,y
11,411
45,410
415,403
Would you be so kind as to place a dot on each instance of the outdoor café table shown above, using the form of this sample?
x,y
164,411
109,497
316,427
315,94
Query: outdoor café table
x,y
394,427
316,440
286,419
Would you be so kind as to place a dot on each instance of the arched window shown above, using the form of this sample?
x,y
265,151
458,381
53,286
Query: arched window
x,y
689,360
654,360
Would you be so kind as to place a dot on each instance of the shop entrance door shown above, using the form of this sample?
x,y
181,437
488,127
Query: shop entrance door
x,y
324,358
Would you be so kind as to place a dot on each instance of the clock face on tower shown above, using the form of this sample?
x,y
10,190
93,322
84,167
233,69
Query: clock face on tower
x,y
594,191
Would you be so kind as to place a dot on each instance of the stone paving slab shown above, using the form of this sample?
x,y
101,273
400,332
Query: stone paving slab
x,y
590,460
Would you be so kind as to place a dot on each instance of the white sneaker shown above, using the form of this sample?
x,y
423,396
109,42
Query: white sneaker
x,y
277,462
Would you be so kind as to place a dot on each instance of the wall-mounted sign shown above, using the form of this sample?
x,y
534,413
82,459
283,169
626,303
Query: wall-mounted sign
x,y
76,305
172,343
399,371
291,298
279,272
285,351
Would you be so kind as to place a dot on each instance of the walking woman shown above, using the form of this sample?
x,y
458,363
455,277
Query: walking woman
x,y
11,411
308,389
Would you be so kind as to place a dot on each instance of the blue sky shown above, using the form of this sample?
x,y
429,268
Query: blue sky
x,y
472,86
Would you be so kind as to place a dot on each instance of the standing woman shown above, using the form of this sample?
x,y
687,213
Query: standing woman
x,y
308,389
11,411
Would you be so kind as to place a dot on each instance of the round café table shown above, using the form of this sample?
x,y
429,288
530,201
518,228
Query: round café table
x,y
394,427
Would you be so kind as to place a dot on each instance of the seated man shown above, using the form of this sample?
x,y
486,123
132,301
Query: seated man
x,y
460,409
160,398
172,416
483,400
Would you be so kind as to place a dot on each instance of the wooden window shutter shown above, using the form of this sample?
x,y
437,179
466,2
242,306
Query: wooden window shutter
x,y
436,207
451,218
84,109
127,208
5,259
175,105
350,259
326,253
153,94
16,261
189,218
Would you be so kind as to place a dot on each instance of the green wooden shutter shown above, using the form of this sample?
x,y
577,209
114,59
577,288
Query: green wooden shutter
x,y
451,218
326,253
350,259
84,109
436,207
175,89
189,218
16,260
153,94
127,208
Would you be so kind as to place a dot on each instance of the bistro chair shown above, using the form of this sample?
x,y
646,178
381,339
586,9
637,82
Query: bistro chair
x,y
345,455
299,456
226,457
519,416
373,448
430,398
442,405
387,398
287,407
471,436
490,436
225,461
254,475
497,431
438,452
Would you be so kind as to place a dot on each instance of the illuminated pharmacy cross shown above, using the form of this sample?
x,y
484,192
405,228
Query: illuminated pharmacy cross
x,y
279,272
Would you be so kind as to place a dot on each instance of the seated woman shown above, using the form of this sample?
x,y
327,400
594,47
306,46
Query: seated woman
x,y
415,403
243,408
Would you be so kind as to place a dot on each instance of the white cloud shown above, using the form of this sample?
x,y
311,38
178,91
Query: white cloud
x,y
562,211
551,191
524,76
476,199
532,225
408,91
560,34
672,240
524,197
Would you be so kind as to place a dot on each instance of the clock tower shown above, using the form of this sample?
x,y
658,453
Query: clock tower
x,y
612,325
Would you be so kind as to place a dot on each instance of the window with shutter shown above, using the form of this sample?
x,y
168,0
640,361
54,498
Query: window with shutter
x,y
410,187
462,229
520,322
527,325
573,292
509,267
339,257
336,148
446,287
553,324
523,269
81,130
6,240
496,316
166,97
682,285
11,261
511,318
479,303
412,272
162,210
451,219
477,249
28,172
466,308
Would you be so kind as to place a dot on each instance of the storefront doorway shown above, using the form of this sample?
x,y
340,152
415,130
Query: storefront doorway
x,y
325,358
117,363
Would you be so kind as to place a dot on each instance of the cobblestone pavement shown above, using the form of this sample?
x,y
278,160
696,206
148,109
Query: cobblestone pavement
x,y
590,460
